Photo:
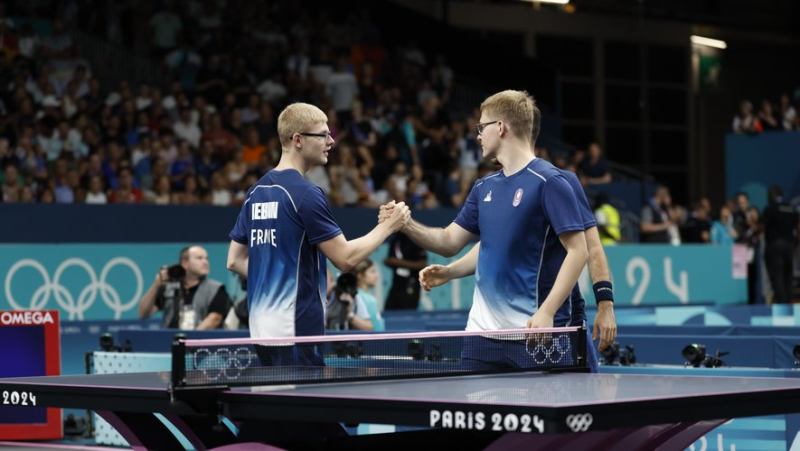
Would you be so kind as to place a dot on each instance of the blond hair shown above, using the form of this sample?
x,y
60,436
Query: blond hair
x,y
515,108
298,118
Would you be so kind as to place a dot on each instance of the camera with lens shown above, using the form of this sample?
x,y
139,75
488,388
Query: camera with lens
x,y
336,315
346,284
175,273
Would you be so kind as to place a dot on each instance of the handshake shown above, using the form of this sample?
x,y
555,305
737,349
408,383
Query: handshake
x,y
394,215
432,275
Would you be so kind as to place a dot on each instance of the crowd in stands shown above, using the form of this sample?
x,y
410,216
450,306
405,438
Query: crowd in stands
x,y
769,117
211,132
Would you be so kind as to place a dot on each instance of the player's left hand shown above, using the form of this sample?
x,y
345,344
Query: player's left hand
x,y
540,320
605,325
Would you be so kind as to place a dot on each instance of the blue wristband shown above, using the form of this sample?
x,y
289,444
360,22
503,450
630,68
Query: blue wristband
x,y
603,292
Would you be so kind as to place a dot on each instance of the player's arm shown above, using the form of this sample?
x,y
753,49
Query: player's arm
x,y
446,242
437,275
577,254
345,255
147,305
605,324
238,258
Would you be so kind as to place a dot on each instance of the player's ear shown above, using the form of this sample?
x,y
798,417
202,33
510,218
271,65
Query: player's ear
x,y
296,141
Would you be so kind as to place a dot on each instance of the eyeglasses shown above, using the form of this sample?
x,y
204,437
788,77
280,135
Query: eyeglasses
x,y
325,135
481,126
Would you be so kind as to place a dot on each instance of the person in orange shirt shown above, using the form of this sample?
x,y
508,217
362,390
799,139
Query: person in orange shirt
x,y
252,148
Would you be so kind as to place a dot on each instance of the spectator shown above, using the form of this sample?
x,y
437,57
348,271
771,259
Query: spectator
x,y
788,114
723,230
12,183
220,193
697,226
740,216
190,194
252,150
161,194
183,167
744,122
594,170
125,193
367,276
342,89
607,218
96,195
655,221
406,259
781,231
166,26
186,129
766,118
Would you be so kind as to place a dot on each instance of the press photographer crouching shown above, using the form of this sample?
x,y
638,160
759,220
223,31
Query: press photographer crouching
x,y
346,310
189,299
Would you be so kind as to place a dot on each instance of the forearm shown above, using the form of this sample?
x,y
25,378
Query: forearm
x,y
466,265
360,249
434,239
598,264
148,302
211,321
358,323
567,277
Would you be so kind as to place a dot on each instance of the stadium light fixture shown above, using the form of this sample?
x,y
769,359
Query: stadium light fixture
x,y
558,2
708,42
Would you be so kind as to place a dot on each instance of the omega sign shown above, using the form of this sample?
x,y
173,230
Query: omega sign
x,y
26,318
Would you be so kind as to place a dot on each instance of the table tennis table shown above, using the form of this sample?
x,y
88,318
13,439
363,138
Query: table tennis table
x,y
522,410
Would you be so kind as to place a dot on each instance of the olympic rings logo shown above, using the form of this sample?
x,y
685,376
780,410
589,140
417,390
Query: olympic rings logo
x,y
579,422
222,362
87,296
558,349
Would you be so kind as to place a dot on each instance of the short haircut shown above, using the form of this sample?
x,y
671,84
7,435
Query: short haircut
x,y
515,108
184,254
298,118
537,124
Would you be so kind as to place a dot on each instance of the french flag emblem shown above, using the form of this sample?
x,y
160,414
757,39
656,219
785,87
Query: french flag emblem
x,y
517,197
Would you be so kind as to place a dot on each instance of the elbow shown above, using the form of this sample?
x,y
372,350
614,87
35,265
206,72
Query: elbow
x,y
231,265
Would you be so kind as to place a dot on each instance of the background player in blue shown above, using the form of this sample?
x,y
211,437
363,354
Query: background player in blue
x,y
285,231
532,246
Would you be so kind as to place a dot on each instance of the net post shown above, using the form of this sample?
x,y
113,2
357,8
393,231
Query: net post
x,y
178,362
582,347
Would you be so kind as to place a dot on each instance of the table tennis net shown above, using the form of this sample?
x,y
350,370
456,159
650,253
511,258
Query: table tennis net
x,y
354,357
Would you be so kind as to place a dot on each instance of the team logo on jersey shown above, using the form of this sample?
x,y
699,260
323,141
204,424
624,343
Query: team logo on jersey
x,y
488,197
517,197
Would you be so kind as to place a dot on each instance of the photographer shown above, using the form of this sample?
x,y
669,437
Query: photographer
x,y
189,299
346,308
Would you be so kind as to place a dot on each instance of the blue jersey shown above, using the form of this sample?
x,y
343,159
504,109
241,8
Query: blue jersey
x,y
519,219
283,219
576,300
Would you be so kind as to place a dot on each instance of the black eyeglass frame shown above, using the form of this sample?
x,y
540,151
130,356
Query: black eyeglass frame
x,y
482,126
325,135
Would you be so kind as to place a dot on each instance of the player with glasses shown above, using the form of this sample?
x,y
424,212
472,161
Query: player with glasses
x,y
284,235
532,240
